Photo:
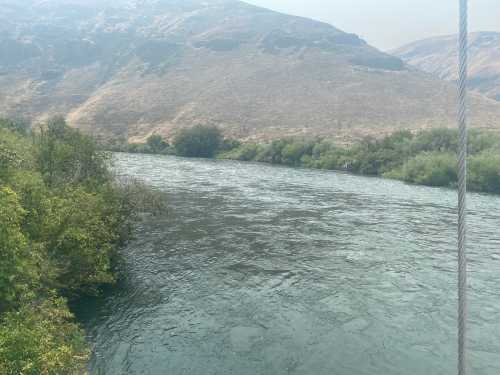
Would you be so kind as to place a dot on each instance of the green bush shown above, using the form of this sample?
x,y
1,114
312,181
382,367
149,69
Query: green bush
x,y
19,127
271,152
17,269
294,152
157,144
65,156
245,152
198,141
432,169
35,199
320,148
15,154
376,157
80,243
62,218
484,172
435,140
329,161
42,339
482,141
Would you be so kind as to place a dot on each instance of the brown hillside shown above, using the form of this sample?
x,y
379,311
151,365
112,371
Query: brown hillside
x,y
438,56
131,68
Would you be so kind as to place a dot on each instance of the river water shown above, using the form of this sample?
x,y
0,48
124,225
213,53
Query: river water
x,y
258,269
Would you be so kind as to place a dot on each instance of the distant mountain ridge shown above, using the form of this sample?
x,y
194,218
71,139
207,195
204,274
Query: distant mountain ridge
x,y
439,55
132,68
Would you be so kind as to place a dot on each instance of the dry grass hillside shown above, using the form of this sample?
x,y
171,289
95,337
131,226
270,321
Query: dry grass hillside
x,y
131,68
438,56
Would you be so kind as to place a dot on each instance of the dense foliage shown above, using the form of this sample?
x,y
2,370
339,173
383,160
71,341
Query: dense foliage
x,y
41,338
427,158
155,144
62,217
198,141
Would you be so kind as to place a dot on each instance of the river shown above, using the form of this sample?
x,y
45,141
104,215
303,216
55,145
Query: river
x,y
257,269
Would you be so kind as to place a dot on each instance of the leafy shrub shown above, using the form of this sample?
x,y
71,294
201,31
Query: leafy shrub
x,y
245,152
198,141
20,127
80,243
271,152
65,156
436,140
15,154
483,141
35,199
432,169
156,144
333,159
294,152
41,339
484,172
62,218
16,268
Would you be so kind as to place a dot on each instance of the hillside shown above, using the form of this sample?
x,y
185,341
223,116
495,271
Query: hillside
x,y
439,55
131,68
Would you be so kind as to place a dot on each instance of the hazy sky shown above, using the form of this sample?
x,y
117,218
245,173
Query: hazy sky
x,y
391,23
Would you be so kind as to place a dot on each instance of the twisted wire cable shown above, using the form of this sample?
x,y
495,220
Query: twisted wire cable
x,y
462,188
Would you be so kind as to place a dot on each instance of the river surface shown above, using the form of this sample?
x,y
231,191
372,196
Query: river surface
x,y
259,270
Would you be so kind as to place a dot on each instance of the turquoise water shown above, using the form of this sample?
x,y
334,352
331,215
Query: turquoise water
x,y
257,269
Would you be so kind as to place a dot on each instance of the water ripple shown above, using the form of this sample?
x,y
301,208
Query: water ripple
x,y
264,270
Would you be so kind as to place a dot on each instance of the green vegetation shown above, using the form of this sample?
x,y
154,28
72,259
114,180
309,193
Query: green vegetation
x,y
62,218
429,168
198,141
427,158
40,338
155,144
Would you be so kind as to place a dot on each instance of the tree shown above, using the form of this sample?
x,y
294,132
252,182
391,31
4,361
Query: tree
x,y
15,154
157,144
485,172
198,141
432,169
442,140
20,127
65,156
293,152
17,271
80,242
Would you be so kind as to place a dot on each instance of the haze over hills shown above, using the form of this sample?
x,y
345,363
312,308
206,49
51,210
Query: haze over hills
x,y
439,55
130,68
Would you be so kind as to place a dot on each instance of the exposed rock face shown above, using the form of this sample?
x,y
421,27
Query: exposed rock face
x,y
130,68
439,57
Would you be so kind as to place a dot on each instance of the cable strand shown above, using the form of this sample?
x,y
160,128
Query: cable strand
x,y
462,188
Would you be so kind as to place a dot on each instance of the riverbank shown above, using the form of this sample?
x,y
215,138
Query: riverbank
x,y
63,216
424,158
